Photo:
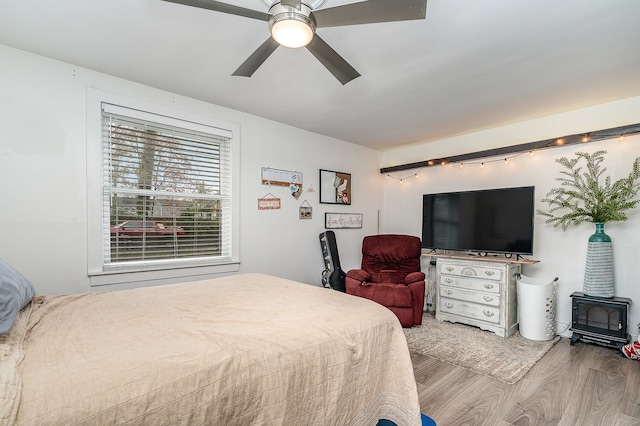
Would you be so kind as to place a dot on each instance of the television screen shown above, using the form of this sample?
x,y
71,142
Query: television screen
x,y
484,221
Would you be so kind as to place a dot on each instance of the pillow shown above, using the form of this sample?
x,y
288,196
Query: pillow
x,y
15,293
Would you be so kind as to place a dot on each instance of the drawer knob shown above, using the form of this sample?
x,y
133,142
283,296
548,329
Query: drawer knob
x,y
448,291
448,305
488,298
469,272
449,280
488,286
488,313
490,273
449,268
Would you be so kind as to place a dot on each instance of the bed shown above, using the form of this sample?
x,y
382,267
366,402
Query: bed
x,y
248,349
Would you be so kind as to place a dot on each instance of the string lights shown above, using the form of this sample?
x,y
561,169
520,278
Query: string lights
x,y
506,153
505,160
414,175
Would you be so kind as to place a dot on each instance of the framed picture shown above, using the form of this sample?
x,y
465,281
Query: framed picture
x,y
305,210
343,220
335,187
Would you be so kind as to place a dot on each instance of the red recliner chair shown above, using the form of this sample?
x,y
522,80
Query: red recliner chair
x,y
390,275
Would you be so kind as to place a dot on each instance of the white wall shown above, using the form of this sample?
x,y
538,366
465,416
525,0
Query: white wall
x,y
43,186
561,254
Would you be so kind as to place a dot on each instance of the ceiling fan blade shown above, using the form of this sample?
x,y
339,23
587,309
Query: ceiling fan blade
x,y
331,60
291,3
224,8
371,12
257,58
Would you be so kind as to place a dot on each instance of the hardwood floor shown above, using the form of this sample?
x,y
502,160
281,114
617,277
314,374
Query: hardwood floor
x,y
585,384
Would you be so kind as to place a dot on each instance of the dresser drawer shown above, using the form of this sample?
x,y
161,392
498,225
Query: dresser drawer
x,y
470,283
475,271
490,299
470,310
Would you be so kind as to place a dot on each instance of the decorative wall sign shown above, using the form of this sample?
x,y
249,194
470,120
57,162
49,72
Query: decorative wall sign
x,y
343,220
305,210
335,187
269,202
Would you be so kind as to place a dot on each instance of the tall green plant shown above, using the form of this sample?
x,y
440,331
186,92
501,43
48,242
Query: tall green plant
x,y
584,197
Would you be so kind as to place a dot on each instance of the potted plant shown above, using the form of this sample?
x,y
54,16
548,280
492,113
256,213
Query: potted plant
x,y
584,196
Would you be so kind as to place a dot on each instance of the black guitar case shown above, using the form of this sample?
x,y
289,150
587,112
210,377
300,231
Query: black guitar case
x,y
332,276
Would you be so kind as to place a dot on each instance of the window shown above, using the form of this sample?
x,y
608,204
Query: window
x,y
166,193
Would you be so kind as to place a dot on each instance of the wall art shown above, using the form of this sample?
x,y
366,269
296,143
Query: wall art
x,y
305,210
269,202
335,187
343,220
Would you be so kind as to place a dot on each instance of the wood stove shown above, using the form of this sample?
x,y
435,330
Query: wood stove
x,y
601,321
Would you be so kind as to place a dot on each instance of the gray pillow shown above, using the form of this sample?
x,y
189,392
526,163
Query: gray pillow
x,y
15,292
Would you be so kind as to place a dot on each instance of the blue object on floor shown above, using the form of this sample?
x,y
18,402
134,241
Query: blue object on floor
x,y
426,421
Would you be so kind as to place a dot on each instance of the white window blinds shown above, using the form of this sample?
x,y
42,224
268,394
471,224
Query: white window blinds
x,y
166,190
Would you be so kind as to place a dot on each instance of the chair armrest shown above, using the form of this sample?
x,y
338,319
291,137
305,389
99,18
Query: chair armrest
x,y
359,274
414,277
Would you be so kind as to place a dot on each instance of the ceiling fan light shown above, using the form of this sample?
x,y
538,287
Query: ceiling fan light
x,y
291,27
292,33
315,4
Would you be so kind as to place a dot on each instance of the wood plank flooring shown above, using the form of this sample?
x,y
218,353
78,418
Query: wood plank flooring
x,y
584,385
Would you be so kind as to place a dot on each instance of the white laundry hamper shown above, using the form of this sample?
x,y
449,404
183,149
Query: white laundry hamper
x,y
537,302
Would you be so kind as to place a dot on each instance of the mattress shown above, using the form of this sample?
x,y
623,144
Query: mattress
x,y
248,349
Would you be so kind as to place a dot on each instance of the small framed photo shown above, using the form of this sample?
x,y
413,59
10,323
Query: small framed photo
x,y
343,220
305,212
335,187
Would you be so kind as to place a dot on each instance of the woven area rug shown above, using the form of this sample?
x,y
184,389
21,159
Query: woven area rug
x,y
504,359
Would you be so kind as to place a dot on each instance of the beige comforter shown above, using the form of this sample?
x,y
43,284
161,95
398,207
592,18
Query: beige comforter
x,y
248,349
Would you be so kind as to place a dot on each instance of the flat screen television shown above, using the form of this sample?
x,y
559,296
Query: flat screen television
x,y
484,221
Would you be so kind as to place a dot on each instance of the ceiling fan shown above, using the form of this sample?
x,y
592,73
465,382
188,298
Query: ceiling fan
x,y
293,24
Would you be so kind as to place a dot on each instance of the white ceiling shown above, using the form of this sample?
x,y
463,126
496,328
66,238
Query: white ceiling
x,y
471,65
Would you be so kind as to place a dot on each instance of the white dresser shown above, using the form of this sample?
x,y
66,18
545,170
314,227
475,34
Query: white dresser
x,y
478,293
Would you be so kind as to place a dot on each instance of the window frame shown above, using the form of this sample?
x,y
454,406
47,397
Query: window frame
x,y
177,268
